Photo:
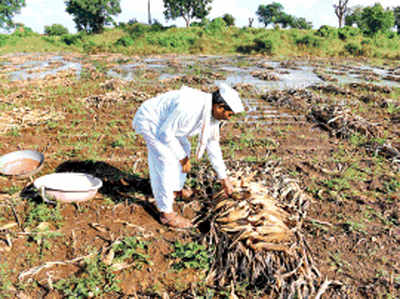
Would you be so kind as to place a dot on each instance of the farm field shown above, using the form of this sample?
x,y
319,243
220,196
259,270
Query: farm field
x,y
329,127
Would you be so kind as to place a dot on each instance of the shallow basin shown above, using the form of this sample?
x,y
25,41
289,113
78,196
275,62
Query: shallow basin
x,y
21,163
67,186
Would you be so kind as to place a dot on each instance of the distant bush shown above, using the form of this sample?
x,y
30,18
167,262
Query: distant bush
x,y
23,31
137,30
125,41
216,25
353,49
309,41
229,19
90,47
263,46
347,31
326,31
3,39
55,29
179,40
72,39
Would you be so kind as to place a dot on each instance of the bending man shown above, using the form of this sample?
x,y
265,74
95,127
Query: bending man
x,y
165,122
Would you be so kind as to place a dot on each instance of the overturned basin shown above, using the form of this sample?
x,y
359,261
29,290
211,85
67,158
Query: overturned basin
x,y
67,187
21,163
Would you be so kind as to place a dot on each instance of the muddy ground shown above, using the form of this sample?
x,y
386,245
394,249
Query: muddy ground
x,y
350,170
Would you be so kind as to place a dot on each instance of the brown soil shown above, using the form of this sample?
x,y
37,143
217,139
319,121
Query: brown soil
x,y
353,222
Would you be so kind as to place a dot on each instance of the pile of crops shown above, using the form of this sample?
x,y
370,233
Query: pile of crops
x,y
256,234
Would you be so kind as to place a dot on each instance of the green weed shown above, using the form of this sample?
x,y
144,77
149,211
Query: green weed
x,y
43,213
132,248
190,255
94,280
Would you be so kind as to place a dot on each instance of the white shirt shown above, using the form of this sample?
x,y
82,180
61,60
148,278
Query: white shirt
x,y
173,116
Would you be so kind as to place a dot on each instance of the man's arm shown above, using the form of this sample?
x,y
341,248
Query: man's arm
x,y
215,155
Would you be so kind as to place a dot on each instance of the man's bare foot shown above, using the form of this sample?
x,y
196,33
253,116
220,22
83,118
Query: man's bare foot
x,y
174,220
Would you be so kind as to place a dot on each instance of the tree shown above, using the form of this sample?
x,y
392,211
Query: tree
x,y
353,16
396,13
8,8
268,14
187,9
92,15
340,10
229,19
285,20
375,19
251,20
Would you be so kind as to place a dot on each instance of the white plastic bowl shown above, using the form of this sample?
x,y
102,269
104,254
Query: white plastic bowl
x,y
68,186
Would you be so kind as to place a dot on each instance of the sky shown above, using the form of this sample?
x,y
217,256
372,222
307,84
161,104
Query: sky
x,y
39,13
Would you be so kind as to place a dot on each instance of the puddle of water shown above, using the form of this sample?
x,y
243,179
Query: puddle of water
x,y
39,69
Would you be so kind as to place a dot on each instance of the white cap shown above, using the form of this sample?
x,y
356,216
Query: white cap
x,y
231,97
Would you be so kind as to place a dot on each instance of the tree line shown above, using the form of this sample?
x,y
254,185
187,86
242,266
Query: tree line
x,y
92,16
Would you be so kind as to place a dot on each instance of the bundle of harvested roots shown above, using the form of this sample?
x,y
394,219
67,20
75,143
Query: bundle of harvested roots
x,y
256,235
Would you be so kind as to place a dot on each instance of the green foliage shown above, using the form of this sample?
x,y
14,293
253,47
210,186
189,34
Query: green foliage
x,y
72,39
181,40
353,48
301,23
55,29
125,41
8,8
42,213
191,255
187,9
132,248
327,31
265,46
375,19
347,31
137,30
3,39
216,25
353,16
22,31
229,19
268,14
92,15
396,14
94,279
309,41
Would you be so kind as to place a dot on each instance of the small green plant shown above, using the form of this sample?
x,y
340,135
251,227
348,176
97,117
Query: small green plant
x,y
118,143
132,248
95,279
190,255
42,213
14,132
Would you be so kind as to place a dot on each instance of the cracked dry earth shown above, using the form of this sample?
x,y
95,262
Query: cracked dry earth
x,y
352,224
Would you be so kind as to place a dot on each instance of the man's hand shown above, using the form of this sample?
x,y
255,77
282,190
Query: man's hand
x,y
185,162
227,185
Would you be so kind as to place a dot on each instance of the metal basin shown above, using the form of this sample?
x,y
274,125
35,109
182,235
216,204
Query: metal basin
x,y
67,187
21,163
